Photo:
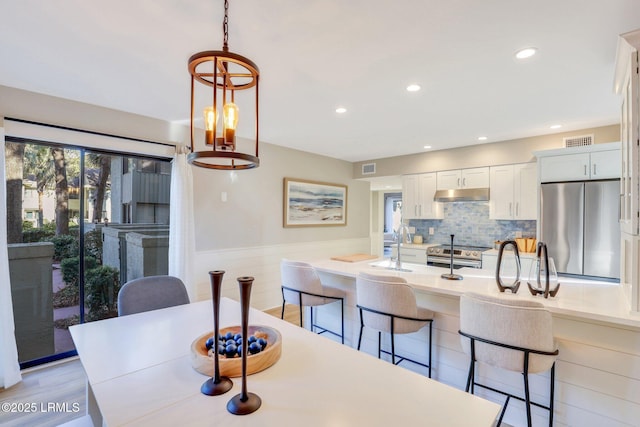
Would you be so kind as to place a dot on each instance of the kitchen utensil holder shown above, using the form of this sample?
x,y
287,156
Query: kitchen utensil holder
x,y
513,287
217,384
538,289
244,403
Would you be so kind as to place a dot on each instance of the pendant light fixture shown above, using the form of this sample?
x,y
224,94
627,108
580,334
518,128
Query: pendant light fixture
x,y
222,73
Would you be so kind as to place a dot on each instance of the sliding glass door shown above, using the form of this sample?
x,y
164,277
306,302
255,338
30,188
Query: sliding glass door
x,y
80,224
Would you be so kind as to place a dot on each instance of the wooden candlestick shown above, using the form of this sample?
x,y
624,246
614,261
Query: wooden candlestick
x,y
245,402
216,385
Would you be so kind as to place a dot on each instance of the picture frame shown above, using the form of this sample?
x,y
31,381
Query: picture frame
x,y
314,203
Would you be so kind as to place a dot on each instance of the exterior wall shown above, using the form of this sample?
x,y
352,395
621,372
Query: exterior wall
x,y
147,254
32,295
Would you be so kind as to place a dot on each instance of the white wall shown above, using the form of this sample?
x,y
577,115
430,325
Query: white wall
x,y
243,236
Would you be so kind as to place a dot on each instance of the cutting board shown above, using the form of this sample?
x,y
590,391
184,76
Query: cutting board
x,y
354,257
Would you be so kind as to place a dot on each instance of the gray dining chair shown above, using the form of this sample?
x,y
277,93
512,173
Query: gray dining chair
x,y
511,334
301,286
151,293
388,304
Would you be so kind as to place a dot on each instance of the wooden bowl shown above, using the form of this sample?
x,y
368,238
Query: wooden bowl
x,y
232,367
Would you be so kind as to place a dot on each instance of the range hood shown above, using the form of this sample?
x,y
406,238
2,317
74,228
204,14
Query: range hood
x,y
462,195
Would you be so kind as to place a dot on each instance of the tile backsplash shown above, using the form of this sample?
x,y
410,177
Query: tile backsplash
x,y
470,223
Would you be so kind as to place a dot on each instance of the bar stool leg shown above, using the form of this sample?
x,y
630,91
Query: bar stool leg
x,y
312,324
283,303
300,307
551,392
527,398
379,339
342,317
361,328
393,347
430,345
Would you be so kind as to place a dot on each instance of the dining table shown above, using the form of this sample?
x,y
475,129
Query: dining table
x,y
139,373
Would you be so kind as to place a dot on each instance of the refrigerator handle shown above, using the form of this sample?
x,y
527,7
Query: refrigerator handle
x,y
620,208
594,170
585,170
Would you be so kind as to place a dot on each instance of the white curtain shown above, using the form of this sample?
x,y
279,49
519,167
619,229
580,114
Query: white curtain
x,y
9,367
181,227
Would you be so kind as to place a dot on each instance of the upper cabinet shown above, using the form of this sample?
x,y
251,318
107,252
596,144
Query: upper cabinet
x,y
599,161
417,197
463,178
627,84
513,192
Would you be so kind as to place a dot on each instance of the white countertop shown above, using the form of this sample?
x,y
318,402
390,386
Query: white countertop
x,y
139,371
581,299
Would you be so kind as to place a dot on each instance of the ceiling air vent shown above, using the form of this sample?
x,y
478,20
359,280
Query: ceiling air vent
x,y
578,141
368,169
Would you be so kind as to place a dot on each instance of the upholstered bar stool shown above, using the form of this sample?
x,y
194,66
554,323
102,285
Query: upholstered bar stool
x,y
388,304
301,286
151,293
512,334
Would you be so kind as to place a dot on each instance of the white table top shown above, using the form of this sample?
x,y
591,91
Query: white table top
x,y
139,369
580,299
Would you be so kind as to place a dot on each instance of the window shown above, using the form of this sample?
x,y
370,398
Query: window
x,y
69,211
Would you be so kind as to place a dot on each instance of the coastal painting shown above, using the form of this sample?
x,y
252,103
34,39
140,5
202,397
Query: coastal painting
x,y
311,203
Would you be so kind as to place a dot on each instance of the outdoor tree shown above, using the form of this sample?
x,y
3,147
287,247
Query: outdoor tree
x,y
104,162
39,164
14,154
62,191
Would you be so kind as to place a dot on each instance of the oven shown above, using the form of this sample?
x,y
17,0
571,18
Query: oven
x,y
463,256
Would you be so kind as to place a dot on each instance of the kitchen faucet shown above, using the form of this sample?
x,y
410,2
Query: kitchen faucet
x,y
403,231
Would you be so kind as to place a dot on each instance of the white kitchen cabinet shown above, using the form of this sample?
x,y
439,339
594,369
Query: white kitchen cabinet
x,y
463,178
627,84
600,161
513,192
417,197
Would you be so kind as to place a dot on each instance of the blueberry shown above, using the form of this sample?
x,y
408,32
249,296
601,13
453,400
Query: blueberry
x,y
229,335
231,350
239,342
230,341
254,348
262,342
237,337
222,349
252,338
239,350
209,343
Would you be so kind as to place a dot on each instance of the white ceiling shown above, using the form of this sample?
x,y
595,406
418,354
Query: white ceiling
x,y
315,55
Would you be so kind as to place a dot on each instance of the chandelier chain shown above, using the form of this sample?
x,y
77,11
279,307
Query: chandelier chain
x,y
225,25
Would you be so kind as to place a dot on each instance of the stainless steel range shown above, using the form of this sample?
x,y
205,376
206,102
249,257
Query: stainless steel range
x,y
463,256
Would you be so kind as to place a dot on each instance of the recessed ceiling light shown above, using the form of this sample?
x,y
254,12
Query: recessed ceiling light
x,y
427,147
341,110
413,88
526,53
555,126
482,138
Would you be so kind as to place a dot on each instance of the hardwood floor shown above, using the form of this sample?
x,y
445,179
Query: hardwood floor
x,y
47,396
291,313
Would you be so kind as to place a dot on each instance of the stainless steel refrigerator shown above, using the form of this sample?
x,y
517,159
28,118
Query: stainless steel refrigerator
x,y
579,224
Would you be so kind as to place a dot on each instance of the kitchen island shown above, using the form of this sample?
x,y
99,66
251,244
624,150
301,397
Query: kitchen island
x,y
598,369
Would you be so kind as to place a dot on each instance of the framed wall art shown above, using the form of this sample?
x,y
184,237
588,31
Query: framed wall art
x,y
312,203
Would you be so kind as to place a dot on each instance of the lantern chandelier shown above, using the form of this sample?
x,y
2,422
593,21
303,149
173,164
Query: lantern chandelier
x,y
223,73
